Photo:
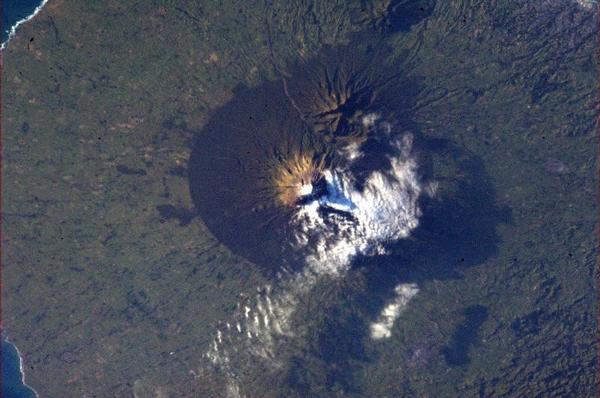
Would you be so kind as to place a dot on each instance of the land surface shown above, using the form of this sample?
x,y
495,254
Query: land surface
x,y
112,286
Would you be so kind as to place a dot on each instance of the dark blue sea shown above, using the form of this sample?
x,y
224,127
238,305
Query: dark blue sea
x,y
12,387
15,10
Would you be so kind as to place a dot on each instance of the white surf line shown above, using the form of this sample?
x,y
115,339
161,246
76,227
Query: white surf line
x,y
13,29
587,4
21,368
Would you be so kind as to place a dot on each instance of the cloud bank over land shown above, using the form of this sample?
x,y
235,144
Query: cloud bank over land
x,y
349,215
302,177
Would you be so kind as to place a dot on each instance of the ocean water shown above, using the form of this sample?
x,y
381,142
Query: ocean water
x,y
14,11
12,383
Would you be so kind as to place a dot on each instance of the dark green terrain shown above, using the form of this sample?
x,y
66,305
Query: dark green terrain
x,y
112,286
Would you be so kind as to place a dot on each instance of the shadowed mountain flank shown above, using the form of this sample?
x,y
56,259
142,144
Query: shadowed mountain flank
x,y
266,150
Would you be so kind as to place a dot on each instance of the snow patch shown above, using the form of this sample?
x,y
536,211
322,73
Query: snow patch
x,y
347,221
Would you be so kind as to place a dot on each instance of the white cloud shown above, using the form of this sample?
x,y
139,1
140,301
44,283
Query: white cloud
x,y
331,230
382,329
346,221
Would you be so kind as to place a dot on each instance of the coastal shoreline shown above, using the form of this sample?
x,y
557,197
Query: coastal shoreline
x,y
21,367
11,34
13,29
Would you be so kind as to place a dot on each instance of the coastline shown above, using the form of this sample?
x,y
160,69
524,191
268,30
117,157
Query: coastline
x,y
11,34
13,29
21,367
